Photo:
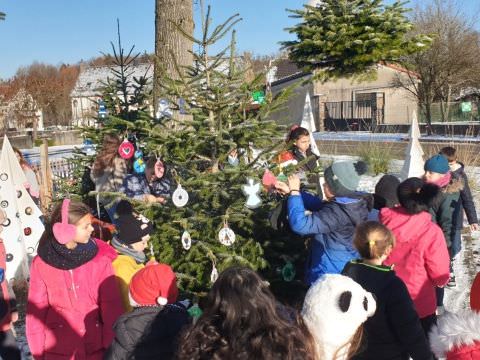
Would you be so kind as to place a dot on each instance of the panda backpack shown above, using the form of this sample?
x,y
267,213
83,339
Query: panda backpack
x,y
334,308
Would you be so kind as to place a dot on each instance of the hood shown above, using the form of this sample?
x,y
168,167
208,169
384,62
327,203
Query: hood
x,y
455,185
356,209
106,250
455,330
405,226
457,167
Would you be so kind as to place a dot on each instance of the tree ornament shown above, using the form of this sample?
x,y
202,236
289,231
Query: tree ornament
x,y
226,236
163,109
252,190
186,240
180,196
126,149
159,169
139,164
288,272
214,273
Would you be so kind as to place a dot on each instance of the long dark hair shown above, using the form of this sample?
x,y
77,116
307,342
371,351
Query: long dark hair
x,y
23,163
76,211
241,320
107,155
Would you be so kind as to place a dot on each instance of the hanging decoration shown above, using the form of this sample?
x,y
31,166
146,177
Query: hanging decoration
x,y
180,196
126,149
139,164
214,273
288,272
251,190
186,240
226,236
163,109
159,169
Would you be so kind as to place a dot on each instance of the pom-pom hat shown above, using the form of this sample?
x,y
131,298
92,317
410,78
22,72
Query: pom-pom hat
x,y
155,284
343,177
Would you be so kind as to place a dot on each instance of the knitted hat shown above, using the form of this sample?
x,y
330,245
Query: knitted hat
x,y
343,177
386,192
437,163
154,285
131,227
475,294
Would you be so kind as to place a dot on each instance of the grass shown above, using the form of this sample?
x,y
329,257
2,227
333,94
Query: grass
x,y
377,155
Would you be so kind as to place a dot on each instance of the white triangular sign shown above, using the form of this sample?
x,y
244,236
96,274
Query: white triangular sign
x,y
23,228
308,122
413,165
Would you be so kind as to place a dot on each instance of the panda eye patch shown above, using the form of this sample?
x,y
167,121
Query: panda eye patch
x,y
365,303
344,301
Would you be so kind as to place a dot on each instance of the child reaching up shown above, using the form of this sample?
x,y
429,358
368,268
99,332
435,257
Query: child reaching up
x,y
73,299
394,331
150,331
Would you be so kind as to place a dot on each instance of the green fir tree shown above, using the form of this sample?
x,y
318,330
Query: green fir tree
x,y
346,38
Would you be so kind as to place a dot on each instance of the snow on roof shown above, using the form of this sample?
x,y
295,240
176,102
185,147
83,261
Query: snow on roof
x,y
91,79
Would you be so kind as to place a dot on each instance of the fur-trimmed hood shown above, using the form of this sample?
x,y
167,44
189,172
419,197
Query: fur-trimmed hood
x,y
455,185
455,331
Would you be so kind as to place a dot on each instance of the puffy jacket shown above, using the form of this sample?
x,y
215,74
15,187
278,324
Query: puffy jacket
x,y
420,256
148,332
394,332
466,198
70,313
332,224
446,208
125,267
457,336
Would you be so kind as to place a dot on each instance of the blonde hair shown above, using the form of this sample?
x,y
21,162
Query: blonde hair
x,y
372,239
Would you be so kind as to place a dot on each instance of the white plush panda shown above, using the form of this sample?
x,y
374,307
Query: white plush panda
x,y
335,306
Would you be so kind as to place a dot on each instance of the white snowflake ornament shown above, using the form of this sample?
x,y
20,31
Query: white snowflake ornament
x,y
180,196
186,240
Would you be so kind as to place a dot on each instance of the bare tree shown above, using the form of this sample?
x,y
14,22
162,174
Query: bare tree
x,y
450,64
170,44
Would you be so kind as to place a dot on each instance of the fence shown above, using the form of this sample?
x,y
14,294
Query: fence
x,y
467,111
61,170
352,115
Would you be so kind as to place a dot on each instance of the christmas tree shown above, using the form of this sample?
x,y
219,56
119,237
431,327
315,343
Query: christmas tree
x,y
346,38
213,116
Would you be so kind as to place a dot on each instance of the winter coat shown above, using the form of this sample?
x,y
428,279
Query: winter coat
x,y
8,302
394,332
148,332
112,178
125,267
70,313
446,208
162,187
332,224
420,256
466,199
135,186
457,336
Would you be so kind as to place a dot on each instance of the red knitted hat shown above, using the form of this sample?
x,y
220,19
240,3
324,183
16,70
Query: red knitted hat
x,y
154,285
475,294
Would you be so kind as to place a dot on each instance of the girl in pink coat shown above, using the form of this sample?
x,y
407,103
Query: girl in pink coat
x,y
420,256
73,299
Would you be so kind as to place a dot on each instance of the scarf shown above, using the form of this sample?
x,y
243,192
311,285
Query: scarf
x,y
443,181
138,256
60,257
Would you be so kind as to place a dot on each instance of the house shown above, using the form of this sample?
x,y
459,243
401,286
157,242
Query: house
x,y
19,111
85,97
345,104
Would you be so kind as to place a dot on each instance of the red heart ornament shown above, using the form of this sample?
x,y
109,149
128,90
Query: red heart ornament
x,y
126,149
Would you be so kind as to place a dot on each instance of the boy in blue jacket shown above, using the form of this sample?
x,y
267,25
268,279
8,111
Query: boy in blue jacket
x,y
332,223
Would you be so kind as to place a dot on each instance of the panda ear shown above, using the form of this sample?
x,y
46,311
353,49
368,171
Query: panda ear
x,y
344,301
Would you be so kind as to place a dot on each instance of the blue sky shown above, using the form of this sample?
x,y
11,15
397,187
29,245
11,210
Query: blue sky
x,y
65,31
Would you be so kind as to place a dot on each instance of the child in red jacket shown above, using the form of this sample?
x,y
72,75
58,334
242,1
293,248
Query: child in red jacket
x,y
73,299
8,313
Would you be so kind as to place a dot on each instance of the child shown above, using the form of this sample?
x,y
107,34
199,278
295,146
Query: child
x,y
420,255
299,146
334,310
73,299
465,202
137,186
133,233
333,222
32,183
457,336
241,320
159,178
8,310
150,331
385,195
394,331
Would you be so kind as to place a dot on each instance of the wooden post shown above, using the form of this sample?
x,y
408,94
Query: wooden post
x,y
46,176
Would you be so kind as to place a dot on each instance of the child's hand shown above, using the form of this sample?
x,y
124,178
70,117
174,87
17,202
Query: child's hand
x,y
161,200
282,187
294,182
474,227
149,198
14,316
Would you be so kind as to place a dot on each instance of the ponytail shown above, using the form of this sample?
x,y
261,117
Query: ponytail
x,y
416,196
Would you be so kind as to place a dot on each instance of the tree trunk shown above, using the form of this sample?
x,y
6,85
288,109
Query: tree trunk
x,y
170,43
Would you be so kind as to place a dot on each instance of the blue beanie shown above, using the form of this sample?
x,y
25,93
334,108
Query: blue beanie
x,y
437,163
